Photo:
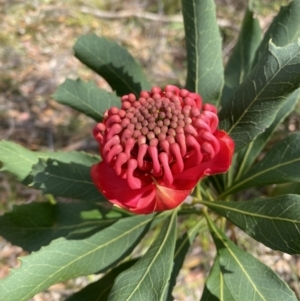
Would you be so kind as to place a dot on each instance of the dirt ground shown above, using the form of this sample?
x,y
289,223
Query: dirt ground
x,y
36,39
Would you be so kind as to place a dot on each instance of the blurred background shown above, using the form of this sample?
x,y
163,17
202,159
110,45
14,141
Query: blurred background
x,y
36,39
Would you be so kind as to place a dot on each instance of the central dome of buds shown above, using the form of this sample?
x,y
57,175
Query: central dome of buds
x,y
158,135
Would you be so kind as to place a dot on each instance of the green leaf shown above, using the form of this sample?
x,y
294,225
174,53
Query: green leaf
x,y
284,29
245,276
215,288
204,49
248,154
183,244
293,188
255,103
16,159
148,278
240,62
274,222
86,98
66,259
208,296
99,290
113,62
34,225
69,157
280,165
70,180
19,161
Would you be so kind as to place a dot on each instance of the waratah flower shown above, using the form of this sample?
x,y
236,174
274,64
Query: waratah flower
x,y
156,148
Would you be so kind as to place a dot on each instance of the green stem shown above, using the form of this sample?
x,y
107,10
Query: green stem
x,y
229,176
206,191
198,191
217,183
120,210
244,161
223,195
184,211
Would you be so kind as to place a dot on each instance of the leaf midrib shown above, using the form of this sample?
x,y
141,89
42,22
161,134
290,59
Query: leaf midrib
x,y
12,151
154,258
240,183
85,255
111,70
58,228
212,204
237,261
84,104
67,179
196,47
262,90
191,233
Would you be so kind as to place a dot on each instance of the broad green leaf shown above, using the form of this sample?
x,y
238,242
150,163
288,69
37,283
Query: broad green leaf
x,y
19,161
86,98
183,244
99,290
293,188
245,276
65,259
240,62
204,49
69,157
280,165
284,29
16,159
148,278
70,180
113,62
274,222
248,154
215,288
34,225
255,103
208,296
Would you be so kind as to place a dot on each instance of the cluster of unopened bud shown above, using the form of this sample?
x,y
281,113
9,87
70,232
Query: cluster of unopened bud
x,y
160,133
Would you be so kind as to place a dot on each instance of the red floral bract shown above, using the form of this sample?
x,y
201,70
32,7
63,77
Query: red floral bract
x,y
156,148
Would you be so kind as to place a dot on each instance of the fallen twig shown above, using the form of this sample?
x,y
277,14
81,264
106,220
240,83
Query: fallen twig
x,y
101,14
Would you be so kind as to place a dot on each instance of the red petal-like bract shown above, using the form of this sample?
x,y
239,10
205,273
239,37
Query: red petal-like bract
x,y
156,148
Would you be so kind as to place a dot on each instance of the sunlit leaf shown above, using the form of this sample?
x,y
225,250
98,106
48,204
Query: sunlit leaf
x,y
284,29
183,245
19,161
80,157
34,225
65,259
148,278
215,288
86,98
293,188
99,290
113,62
16,159
240,62
255,103
248,154
274,222
245,276
204,49
280,165
70,180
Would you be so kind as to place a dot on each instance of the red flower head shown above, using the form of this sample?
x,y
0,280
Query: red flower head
x,y
156,148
